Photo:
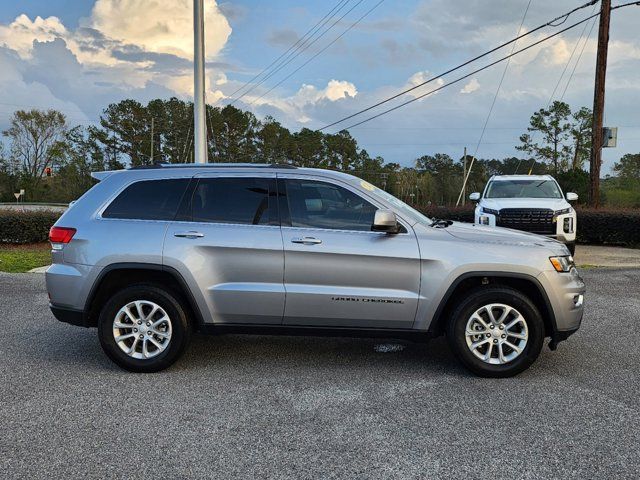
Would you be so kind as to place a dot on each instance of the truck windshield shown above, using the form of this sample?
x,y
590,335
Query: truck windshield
x,y
525,188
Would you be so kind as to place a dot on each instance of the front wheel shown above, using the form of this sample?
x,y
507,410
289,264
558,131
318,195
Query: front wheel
x,y
143,328
496,332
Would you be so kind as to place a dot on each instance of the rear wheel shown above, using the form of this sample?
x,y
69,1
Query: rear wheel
x,y
496,332
143,328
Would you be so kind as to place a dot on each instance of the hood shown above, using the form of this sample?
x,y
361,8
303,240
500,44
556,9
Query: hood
x,y
481,234
500,203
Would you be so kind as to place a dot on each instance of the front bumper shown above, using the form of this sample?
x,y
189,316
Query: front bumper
x,y
566,295
564,226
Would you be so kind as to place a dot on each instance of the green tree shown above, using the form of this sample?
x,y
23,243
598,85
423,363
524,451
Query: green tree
x,y
554,127
446,175
581,134
628,167
37,141
273,141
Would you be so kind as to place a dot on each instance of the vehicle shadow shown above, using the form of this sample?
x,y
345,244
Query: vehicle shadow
x,y
73,347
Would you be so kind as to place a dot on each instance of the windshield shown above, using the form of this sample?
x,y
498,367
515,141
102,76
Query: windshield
x,y
409,212
525,188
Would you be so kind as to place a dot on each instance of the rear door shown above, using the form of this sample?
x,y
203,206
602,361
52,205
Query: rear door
x,y
227,244
338,273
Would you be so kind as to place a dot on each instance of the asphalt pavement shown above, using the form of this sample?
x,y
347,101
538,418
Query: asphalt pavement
x,y
294,407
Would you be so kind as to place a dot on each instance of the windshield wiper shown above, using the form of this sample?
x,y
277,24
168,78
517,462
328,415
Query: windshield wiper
x,y
440,223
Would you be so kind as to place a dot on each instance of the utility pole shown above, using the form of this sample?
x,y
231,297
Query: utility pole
x,y
598,104
464,175
151,156
199,125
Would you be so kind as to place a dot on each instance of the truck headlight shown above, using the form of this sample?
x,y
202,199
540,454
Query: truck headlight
x,y
562,264
563,211
490,211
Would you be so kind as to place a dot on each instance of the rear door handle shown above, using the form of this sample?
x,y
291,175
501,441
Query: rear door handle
x,y
307,241
188,234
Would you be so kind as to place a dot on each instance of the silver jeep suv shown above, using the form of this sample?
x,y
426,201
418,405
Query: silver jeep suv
x,y
149,255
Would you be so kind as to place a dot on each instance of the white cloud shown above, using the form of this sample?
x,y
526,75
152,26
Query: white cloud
x,y
470,87
160,26
420,78
20,34
334,91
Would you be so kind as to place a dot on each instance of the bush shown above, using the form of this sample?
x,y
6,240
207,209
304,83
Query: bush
x,y
26,227
596,227
458,214
608,226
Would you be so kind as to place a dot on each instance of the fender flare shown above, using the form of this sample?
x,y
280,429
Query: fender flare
x,y
436,321
143,266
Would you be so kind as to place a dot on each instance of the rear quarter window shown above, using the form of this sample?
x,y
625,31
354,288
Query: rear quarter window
x,y
148,200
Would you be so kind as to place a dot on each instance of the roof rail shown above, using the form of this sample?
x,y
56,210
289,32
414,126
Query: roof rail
x,y
213,165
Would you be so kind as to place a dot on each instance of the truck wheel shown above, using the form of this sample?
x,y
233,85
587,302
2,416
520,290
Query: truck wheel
x,y
143,328
572,248
496,331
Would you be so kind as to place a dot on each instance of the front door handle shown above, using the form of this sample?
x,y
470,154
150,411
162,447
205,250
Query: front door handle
x,y
188,234
307,241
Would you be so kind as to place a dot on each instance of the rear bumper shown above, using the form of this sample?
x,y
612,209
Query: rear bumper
x,y
69,315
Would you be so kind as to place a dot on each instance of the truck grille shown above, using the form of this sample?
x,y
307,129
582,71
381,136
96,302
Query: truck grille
x,y
532,220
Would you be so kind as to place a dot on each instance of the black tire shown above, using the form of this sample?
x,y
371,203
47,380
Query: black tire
x,y
572,248
503,295
180,328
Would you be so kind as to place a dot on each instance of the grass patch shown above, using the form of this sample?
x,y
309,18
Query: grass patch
x,y
22,258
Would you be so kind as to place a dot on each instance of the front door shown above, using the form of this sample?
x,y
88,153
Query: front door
x,y
338,273
228,246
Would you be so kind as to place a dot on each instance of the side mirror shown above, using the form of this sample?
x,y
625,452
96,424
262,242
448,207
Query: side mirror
x,y
385,221
572,197
475,196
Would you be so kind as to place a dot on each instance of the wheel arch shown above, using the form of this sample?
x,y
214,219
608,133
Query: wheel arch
x,y
524,283
115,276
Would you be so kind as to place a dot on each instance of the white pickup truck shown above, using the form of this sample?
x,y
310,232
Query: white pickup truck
x,y
532,203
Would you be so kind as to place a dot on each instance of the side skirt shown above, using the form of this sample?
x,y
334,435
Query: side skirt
x,y
294,330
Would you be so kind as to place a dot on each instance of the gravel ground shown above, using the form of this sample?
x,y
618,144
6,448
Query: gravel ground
x,y
284,407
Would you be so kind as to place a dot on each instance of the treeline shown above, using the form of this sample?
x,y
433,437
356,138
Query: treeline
x,y
52,160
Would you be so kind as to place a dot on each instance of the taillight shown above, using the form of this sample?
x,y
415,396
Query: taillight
x,y
61,234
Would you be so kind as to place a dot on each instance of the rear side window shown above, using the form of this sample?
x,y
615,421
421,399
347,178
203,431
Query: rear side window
x,y
239,200
148,200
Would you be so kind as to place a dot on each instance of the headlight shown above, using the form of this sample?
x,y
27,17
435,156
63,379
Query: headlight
x,y
490,211
562,212
562,264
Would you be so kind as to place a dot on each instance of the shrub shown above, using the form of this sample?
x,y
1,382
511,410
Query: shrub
x,y
26,227
458,214
597,227
607,226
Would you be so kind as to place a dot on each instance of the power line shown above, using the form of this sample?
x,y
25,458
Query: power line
x,y
493,104
564,70
295,55
321,51
303,37
586,40
566,15
459,79
573,52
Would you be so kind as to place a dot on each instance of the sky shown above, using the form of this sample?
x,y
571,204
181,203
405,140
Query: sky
x,y
80,55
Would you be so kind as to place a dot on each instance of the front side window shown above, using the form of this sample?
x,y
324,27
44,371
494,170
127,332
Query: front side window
x,y
148,200
315,204
526,188
238,200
